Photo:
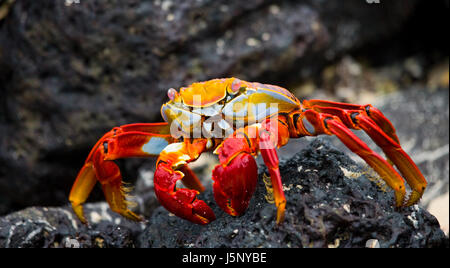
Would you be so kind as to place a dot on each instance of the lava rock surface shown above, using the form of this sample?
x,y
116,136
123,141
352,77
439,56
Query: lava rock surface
x,y
55,227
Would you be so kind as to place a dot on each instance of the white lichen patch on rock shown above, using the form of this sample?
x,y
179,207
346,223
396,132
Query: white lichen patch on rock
x,y
372,243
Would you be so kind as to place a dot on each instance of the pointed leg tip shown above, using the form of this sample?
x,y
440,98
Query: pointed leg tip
x,y
402,201
280,213
414,198
130,215
137,218
78,209
280,219
400,195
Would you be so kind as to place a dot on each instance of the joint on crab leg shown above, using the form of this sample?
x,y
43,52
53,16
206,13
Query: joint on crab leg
x,y
343,110
382,122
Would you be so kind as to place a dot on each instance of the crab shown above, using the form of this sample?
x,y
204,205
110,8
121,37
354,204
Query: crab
x,y
237,120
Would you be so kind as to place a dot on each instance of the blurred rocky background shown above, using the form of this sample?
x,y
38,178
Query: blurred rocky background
x,y
71,70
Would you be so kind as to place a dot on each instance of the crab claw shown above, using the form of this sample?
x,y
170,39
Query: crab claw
x,y
181,202
235,183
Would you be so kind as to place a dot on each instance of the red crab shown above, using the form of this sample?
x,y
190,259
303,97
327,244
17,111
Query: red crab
x,y
236,120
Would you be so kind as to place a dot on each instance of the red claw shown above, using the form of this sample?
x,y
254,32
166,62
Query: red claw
x,y
235,183
181,202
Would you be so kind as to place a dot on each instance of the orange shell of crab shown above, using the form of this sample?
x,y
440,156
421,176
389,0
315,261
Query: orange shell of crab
x,y
211,92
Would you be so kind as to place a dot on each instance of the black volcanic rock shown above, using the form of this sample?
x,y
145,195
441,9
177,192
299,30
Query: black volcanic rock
x,y
49,227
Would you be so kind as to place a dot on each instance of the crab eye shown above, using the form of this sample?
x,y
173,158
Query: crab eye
x,y
236,85
171,93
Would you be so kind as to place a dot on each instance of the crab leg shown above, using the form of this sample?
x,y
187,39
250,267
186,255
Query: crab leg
x,y
395,153
338,109
381,131
108,174
138,144
134,140
270,157
81,189
181,201
386,171
267,147
332,125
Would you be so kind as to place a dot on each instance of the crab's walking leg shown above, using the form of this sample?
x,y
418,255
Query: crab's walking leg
x,y
386,171
381,131
395,153
267,147
338,109
108,174
332,125
171,167
81,189
270,157
134,140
